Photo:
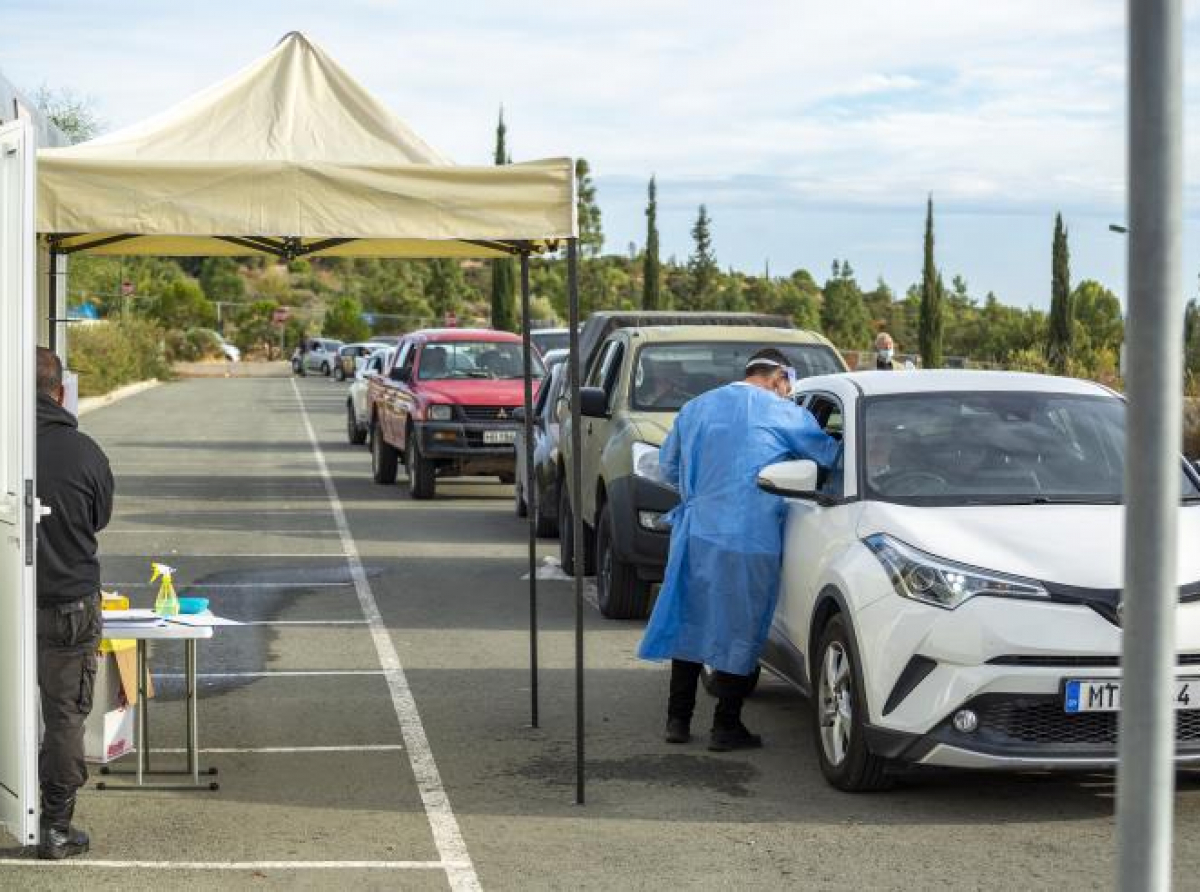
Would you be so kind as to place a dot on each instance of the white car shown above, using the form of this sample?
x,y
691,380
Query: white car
x,y
358,412
320,355
952,594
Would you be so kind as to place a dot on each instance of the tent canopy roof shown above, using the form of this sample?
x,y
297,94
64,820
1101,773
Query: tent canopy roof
x,y
292,157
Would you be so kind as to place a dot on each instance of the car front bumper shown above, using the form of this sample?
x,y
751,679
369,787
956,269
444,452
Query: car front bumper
x,y
640,537
463,444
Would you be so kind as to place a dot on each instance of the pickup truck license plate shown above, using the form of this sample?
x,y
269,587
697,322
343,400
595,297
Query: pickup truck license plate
x,y
499,438
1104,695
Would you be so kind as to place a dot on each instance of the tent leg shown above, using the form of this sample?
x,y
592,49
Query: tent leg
x,y
55,315
576,484
1146,776
530,484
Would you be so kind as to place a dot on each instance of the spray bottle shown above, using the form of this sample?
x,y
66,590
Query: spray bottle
x,y
166,604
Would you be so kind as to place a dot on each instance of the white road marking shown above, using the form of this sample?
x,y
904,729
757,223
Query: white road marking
x,y
299,583
185,530
447,836
240,865
325,555
226,750
274,673
300,622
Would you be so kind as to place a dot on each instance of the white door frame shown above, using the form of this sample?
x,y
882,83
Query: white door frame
x,y
18,503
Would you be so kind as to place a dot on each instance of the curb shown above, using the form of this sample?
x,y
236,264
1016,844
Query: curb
x,y
114,396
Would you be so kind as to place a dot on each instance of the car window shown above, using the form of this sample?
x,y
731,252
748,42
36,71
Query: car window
x,y
600,368
667,375
612,375
475,359
996,447
827,410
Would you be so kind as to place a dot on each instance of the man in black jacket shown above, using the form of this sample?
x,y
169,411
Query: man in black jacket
x,y
74,481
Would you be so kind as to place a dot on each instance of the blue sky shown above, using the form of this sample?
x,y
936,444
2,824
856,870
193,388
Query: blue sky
x,y
811,130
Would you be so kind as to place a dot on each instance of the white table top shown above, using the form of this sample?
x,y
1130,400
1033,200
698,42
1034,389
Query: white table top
x,y
152,631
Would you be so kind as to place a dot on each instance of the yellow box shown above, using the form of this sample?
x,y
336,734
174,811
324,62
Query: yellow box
x,y
114,601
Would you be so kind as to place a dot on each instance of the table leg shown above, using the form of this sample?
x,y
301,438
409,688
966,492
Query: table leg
x,y
193,747
141,724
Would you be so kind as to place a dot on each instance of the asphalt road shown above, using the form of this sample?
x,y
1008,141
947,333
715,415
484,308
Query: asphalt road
x,y
371,726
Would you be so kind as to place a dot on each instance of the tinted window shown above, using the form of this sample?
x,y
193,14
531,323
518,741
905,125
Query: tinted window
x,y
550,340
668,375
996,447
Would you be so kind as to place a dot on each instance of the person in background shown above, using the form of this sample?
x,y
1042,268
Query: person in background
x,y
75,482
885,352
722,578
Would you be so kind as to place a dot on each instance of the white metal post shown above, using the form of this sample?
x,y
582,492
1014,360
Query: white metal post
x,y
1145,781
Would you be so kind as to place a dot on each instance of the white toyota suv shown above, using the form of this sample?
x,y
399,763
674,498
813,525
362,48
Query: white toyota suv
x,y
952,594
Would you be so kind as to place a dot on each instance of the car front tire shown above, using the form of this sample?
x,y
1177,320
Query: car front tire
x,y
519,503
619,592
566,537
339,374
422,473
384,459
839,716
355,432
325,369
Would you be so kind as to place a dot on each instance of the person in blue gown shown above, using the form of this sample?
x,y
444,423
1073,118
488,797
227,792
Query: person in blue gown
x,y
722,578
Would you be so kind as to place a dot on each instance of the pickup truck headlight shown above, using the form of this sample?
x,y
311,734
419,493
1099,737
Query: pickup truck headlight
x,y
438,412
932,580
645,462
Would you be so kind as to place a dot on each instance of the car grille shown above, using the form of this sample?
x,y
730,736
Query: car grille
x,y
1094,662
1047,723
488,413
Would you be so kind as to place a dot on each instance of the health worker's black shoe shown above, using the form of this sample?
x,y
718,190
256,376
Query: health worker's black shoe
x,y
58,843
723,740
678,731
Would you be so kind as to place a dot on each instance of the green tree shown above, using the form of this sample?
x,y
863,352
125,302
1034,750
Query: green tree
x,y
181,305
1062,327
702,264
504,277
72,114
591,235
843,313
344,321
220,279
932,323
1191,333
253,328
651,266
446,288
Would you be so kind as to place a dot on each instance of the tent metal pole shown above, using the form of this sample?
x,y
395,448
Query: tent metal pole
x,y
530,494
576,517
52,292
1154,336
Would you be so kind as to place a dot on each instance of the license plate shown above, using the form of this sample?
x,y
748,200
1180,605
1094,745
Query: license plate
x,y
499,438
1104,695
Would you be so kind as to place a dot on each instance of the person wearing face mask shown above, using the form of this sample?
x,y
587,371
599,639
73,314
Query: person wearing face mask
x,y
885,352
722,578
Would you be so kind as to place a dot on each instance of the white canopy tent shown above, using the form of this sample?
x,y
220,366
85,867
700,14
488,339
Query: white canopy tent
x,y
289,158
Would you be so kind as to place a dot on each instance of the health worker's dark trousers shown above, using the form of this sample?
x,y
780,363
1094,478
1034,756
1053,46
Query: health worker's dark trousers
x,y
730,691
67,637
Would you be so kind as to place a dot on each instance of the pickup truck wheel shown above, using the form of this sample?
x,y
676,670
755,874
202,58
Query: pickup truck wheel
x,y
384,458
339,373
566,538
547,527
619,592
325,369
422,473
355,433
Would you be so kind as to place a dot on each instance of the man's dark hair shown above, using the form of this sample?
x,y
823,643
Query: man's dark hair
x,y
49,371
767,361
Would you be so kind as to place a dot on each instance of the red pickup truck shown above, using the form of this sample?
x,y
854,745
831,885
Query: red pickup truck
x,y
444,407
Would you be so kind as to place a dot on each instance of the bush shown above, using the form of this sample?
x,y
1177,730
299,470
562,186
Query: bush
x,y
194,345
1191,428
109,354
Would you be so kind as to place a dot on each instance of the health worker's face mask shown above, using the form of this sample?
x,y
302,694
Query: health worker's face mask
x,y
886,355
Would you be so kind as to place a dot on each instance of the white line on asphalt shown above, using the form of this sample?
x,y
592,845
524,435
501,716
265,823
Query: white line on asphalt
x,y
447,836
109,586
208,555
258,531
227,750
241,865
300,622
275,673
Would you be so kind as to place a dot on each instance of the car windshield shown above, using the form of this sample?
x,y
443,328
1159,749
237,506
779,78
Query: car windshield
x,y
474,359
546,341
996,448
668,375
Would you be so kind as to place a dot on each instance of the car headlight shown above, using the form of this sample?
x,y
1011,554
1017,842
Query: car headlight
x,y
438,412
645,462
932,580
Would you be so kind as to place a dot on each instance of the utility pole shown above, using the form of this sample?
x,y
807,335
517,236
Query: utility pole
x,y
1154,335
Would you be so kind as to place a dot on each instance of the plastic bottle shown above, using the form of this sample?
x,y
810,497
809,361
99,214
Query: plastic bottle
x,y
167,603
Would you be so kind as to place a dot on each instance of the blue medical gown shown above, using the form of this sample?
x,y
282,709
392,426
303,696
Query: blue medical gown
x,y
722,578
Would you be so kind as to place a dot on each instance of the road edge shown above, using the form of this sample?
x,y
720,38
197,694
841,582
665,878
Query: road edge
x,y
91,403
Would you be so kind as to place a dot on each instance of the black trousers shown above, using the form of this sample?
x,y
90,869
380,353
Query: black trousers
x,y
67,636
730,691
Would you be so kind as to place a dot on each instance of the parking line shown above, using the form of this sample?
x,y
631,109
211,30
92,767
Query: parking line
x,y
237,865
447,836
270,750
109,586
275,673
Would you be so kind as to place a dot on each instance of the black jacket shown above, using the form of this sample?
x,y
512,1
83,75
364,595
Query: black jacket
x,y
74,481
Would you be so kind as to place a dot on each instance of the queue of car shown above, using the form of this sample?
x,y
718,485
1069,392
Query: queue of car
x,y
951,592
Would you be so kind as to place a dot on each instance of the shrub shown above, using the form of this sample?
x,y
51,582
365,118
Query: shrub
x,y
1191,428
109,354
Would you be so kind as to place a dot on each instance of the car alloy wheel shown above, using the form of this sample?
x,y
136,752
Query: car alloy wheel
x,y
836,703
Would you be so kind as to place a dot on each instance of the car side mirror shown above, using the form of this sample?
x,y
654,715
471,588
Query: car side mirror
x,y
402,374
593,402
792,479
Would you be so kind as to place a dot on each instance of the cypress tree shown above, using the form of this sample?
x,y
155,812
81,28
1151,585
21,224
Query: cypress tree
x,y
1062,315
702,265
651,265
931,323
504,304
